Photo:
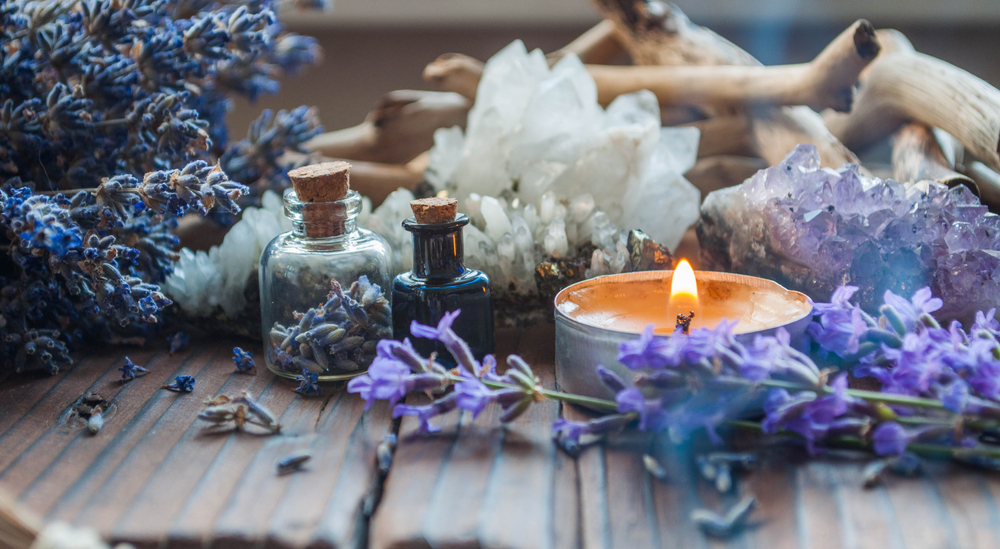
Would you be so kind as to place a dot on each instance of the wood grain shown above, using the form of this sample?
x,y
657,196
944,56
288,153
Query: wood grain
x,y
155,478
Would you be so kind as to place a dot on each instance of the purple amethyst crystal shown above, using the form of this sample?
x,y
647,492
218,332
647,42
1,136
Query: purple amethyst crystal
x,y
813,229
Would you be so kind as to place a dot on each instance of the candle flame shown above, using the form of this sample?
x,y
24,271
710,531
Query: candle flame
x,y
683,282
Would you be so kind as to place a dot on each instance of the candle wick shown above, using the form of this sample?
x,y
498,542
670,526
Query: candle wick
x,y
684,323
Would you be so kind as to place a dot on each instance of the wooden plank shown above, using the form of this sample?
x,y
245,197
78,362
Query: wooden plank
x,y
971,509
194,525
23,431
344,523
919,510
241,523
530,470
161,417
458,488
154,478
146,522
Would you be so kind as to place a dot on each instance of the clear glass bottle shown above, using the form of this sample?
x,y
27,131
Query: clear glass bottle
x,y
439,283
324,303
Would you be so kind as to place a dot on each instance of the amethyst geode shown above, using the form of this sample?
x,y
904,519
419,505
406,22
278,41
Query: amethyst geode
x,y
813,229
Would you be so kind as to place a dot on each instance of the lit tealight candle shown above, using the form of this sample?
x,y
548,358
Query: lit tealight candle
x,y
629,302
594,317
683,302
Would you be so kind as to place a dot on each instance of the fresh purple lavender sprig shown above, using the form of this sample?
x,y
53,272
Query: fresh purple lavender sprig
x,y
943,396
398,370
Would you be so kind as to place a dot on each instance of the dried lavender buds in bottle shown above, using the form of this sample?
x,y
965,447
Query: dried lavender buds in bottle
x,y
322,285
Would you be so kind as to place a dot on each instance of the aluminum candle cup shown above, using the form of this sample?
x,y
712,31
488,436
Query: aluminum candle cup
x,y
595,316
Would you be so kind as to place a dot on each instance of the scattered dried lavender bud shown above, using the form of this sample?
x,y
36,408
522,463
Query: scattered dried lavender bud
x,y
244,361
96,421
724,526
308,384
292,462
181,384
723,479
707,468
654,468
130,371
238,412
384,451
178,342
907,465
873,473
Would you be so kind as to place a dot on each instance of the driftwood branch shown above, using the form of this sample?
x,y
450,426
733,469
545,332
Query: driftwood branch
x,y
903,85
400,127
724,136
599,45
826,82
656,33
918,156
988,183
718,172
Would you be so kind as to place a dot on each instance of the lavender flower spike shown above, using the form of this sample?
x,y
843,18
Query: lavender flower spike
x,y
890,439
427,412
458,348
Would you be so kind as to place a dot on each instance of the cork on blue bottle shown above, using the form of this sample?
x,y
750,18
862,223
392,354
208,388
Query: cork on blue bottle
x,y
440,282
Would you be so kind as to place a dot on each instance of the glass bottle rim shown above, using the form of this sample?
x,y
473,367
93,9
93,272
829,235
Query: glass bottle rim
x,y
411,225
350,206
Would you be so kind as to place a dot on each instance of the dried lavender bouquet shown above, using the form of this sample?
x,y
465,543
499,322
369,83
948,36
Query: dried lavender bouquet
x,y
111,126
939,396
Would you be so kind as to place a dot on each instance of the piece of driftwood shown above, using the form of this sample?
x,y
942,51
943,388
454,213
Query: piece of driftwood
x,y
656,33
988,183
718,172
903,85
599,45
826,82
917,156
400,127
724,135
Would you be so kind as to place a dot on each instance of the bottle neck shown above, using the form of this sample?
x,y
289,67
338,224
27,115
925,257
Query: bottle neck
x,y
438,250
324,229
322,219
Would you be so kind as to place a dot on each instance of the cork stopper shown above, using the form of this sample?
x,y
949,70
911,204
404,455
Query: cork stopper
x,y
322,187
434,210
326,182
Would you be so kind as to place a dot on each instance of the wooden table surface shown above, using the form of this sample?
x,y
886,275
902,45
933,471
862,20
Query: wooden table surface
x,y
152,477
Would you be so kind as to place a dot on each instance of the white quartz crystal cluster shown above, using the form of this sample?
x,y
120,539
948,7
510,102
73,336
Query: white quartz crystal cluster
x,y
203,281
542,170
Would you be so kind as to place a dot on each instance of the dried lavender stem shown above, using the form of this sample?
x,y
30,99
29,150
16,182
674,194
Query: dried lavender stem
x,y
870,396
555,395
91,190
916,447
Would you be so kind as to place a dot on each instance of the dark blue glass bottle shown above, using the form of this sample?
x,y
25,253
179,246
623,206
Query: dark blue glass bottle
x,y
440,283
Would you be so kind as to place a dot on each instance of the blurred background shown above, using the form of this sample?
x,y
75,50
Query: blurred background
x,y
375,46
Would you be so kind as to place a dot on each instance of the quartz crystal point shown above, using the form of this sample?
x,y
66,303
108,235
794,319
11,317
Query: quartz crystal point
x,y
551,181
813,229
